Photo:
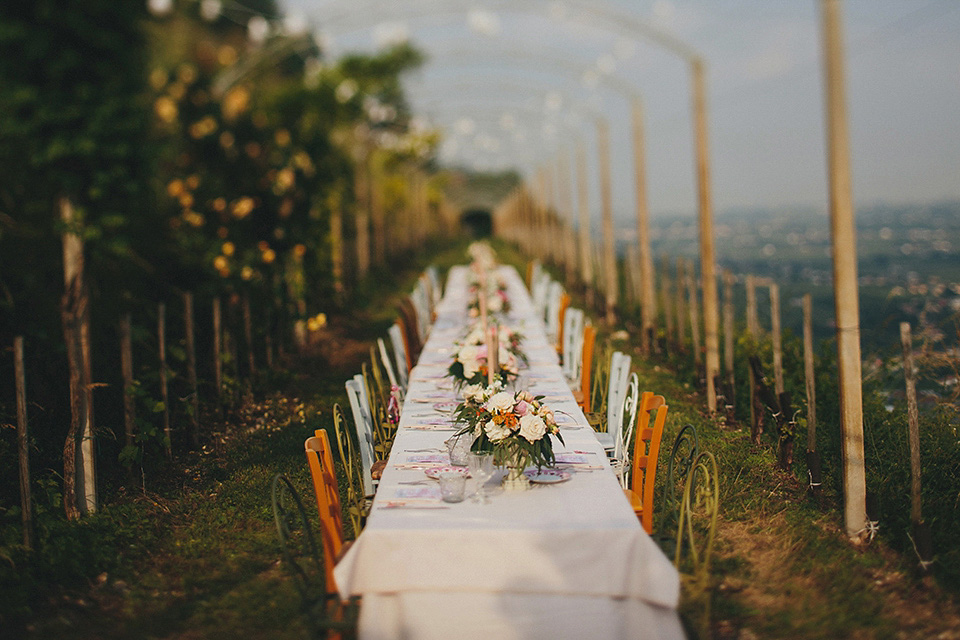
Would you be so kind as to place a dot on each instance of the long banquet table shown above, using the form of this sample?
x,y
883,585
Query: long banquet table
x,y
566,560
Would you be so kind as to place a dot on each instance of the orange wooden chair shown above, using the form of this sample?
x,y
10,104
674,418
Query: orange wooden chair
x,y
408,316
564,304
646,450
320,460
582,395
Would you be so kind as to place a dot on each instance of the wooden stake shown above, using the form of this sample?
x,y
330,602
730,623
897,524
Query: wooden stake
x,y
694,309
846,294
164,389
192,369
665,300
550,212
632,272
218,349
609,245
336,243
79,461
126,370
378,212
775,332
728,337
913,422
586,258
707,259
809,374
648,299
248,335
753,322
681,306
753,329
566,205
23,451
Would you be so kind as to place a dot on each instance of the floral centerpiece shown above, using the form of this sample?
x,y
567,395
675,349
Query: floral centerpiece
x,y
514,426
507,338
495,290
482,256
471,365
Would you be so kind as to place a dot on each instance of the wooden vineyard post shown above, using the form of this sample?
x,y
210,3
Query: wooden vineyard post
x,y
191,369
681,306
705,220
753,331
665,300
361,188
814,469
549,211
648,302
777,338
23,452
609,242
164,388
728,344
248,335
586,259
694,310
921,530
79,460
129,399
566,205
218,350
632,274
377,212
336,244
846,295
268,338
753,322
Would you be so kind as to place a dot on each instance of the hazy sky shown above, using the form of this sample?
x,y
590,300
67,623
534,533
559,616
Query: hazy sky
x,y
518,83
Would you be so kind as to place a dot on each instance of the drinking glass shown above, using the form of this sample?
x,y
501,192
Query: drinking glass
x,y
452,484
481,468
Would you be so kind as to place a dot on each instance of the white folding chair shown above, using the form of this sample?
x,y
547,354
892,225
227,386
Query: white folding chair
x,y
421,304
435,287
572,345
541,288
535,270
616,391
385,361
624,434
552,311
363,424
399,354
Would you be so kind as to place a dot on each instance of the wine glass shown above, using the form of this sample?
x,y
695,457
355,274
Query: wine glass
x,y
481,468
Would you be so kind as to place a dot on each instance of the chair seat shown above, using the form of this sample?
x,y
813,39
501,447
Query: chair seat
x,y
376,470
634,500
606,439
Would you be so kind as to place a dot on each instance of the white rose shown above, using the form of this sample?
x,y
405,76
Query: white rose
x,y
495,303
473,393
532,427
496,432
468,358
502,402
475,336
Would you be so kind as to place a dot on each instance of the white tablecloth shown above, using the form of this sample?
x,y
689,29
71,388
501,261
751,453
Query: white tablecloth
x,y
557,561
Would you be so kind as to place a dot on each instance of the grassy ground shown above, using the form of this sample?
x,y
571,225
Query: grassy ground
x,y
198,558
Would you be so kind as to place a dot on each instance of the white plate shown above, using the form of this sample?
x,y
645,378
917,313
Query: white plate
x,y
547,476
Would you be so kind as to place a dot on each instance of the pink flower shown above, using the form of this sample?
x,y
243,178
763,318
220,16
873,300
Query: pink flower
x,y
521,408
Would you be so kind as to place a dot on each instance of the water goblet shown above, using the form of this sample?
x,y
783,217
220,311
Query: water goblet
x,y
481,468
